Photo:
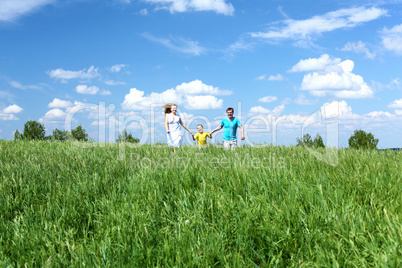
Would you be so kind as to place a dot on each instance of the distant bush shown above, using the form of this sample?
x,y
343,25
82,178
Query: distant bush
x,y
127,137
17,135
61,135
362,140
306,140
318,142
33,130
79,134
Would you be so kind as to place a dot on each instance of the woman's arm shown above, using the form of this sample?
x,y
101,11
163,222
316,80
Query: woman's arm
x,y
184,126
166,124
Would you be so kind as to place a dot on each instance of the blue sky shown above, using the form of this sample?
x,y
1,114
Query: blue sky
x,y
287,67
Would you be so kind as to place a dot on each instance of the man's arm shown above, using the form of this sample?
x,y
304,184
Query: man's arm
x,y
216,129
242,132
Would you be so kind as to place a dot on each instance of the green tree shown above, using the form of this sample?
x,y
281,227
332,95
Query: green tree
x,y
362,140
305,140
17,135
60,135
318,142
79,134
34,130
127,137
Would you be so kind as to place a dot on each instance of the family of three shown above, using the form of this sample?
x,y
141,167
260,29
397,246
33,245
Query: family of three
x,y
173,124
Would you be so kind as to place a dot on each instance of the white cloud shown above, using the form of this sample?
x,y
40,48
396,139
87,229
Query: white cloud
x,y
136,100
277,77
81,107
359,47
18,85
89,73
306,29
379,114
198,87
302,100
219,6
329,110
313,64
58,103
133,100
344,85
278,110
332,78
105,92
237,46
117,68
394,84
194,95
13,109
392,39
84,89
6,95
322,121
143,12
268,99
53,116
55,113
397,104
337,109
114,83
261,110
12,9
205,102
6,117
179,44
9,112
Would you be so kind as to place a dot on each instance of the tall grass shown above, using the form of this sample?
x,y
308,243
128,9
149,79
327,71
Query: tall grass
x,y
62,205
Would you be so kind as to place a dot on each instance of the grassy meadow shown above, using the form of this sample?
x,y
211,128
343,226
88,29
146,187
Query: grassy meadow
x,y
65,205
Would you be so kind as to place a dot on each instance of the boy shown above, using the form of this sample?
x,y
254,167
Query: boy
x,y
201,136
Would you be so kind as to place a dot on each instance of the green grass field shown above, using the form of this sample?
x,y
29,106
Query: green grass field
x,y
63,205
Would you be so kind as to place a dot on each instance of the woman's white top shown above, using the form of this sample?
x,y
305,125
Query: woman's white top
x,y
175,136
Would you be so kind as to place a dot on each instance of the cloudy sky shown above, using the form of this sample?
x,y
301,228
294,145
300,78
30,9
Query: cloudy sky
x,y
287,67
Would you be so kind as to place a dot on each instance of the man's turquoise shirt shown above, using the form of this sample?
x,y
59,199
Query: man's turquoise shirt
x,y
230,128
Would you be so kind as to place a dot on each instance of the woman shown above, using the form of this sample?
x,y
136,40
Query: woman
x,y
172,126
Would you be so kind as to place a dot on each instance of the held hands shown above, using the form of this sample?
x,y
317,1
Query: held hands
x,y
168,131
242,137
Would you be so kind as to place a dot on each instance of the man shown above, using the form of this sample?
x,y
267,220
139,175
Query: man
x,y
230,125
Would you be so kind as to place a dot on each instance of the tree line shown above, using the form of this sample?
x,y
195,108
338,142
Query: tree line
x,y
33,130
359,140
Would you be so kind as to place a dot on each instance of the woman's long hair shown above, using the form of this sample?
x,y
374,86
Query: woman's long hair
x,y
168,107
